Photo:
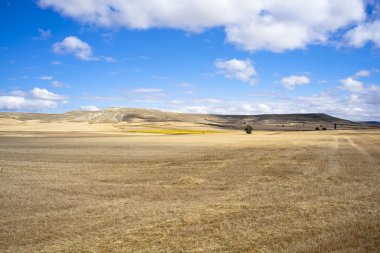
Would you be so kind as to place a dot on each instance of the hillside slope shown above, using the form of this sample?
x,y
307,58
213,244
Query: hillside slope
x,y
123,118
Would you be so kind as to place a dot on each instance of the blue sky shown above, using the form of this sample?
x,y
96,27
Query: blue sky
x,y
225,57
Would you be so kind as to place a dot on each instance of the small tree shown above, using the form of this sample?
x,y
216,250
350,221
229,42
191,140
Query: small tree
x,y
248,129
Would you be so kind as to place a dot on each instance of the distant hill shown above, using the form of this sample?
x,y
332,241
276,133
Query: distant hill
x,y
286,121
124,117
371,122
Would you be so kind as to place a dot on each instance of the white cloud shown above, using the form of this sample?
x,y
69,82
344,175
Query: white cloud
x,y
44,94
361,106
46,78
35,100
242,70
229,108
186,85
80,49
363,73
372,96
21,103
195,109
91,108
44,34
333,105
108,37
146,90
264,108
140,57
252,25
19,78
56,63
209,100
290,82
18,93
160,77
176,102
351,85
75,46
364,33
59,84
107,59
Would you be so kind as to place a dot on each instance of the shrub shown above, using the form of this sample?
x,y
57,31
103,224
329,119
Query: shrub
x,y
248,129
324,128
317,129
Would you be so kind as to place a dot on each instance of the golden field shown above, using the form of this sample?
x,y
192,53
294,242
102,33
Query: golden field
x,y
94,191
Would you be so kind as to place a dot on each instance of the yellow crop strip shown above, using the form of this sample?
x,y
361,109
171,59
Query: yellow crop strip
x,y
175,131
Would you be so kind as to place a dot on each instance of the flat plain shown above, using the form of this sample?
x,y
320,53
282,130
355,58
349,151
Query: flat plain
x,y
304,191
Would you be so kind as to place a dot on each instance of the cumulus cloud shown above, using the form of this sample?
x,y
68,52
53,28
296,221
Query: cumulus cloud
x,y
18,93
358,106
59,84
364,96
185,85
91,108
158,77
44,34
44,94
80,49
107,59
361,106
372,96
351,85
46,78
364,33
363,73
229,108
56,63
146,90
290,82
176,102
209,100
264,108
332,104
75,46
147,95
252,25
22,103
242,70
35,100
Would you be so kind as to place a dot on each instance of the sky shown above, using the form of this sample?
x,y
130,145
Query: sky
x,y
194,56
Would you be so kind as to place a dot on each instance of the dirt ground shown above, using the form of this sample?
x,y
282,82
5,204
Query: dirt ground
x,y
229,192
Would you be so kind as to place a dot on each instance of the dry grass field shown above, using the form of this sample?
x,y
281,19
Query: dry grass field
x,y
221,192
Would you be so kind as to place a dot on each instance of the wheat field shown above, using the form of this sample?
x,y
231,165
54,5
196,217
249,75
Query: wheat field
x,y
226,192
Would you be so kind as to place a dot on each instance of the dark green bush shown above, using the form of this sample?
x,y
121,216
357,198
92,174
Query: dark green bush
x,y
248,129
317,129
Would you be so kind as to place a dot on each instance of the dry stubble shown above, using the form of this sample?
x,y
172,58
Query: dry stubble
x,y
269,192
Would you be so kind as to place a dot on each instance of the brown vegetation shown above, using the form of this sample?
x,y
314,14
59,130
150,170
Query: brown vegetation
x,y
228,192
